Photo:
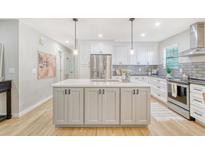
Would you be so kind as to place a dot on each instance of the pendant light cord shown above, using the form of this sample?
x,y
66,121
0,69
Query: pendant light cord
x,y
132,19
132,34
75,35
75,20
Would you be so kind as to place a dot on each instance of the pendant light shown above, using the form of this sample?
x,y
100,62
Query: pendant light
x,y
131,43
75,50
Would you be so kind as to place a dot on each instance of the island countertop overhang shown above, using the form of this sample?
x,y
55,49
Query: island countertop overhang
x,y
89,83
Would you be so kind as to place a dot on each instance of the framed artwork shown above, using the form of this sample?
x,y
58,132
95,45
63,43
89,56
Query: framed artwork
x,y
46,65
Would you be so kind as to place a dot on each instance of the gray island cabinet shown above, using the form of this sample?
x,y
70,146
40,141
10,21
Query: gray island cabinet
x,y
85,103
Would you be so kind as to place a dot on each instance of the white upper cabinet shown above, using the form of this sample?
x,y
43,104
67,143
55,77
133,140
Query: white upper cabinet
x,y
144,54
153,54
101,47
85,50
140,55
120,55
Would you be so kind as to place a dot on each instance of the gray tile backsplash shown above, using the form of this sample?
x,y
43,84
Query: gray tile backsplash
x,y
196,69
135,69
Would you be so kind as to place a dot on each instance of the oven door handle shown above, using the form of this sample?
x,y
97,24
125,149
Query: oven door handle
x,y
178,84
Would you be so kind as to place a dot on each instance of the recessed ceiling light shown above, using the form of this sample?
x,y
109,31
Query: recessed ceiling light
x,y
100,35
157,24
143,34
67,42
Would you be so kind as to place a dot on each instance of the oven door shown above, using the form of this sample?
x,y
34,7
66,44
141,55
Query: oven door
x,y
182,97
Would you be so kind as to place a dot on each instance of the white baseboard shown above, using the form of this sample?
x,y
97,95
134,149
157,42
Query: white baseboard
x,y
31,107
15,115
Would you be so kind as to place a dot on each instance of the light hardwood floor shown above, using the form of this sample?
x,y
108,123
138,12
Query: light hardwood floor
x,y
39,123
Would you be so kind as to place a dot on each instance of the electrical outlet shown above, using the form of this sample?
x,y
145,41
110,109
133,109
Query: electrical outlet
x,y
180,70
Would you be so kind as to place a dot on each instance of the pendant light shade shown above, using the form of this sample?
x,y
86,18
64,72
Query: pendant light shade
x,y
75,50
131,42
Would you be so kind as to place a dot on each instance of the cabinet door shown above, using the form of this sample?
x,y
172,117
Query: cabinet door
x,y
101,47
59,102
93,101
85,50
75,106
121,55
110,106
153,54
127,106
142,106
141,55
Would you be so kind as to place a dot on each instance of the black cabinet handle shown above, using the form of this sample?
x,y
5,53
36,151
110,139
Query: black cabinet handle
x,y
66,91
197,100
198,114
99,91
133,92
137,91
69,92
198,90
103,91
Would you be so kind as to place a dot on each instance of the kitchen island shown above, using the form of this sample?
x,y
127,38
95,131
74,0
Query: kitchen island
x,y
101,103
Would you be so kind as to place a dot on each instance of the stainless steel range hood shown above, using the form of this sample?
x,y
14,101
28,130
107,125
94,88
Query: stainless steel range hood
x,y
197,40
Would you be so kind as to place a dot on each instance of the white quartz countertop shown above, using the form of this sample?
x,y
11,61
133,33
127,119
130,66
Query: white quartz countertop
x,y
90,83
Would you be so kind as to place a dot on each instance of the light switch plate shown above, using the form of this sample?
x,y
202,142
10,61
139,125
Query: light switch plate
x,y
34,71
12,70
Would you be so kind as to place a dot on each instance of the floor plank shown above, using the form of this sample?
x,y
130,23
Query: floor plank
x,y
39,123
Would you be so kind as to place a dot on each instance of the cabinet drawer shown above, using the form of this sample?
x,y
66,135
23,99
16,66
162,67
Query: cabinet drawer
x,y
197,113
161,95
197,100
117,77
199,89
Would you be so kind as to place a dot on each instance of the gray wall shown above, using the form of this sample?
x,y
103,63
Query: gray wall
x,y
9,37
192,66
32,90
183,41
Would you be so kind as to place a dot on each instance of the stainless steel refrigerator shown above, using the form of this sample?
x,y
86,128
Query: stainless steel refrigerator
x,y
101,66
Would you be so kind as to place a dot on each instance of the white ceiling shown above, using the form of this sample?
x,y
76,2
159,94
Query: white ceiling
x,y
117,29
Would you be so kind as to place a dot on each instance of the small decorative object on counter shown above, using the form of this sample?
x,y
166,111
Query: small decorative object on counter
x,y
185,76
169,72
125,76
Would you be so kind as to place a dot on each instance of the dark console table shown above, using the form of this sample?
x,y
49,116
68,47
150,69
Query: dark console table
x,y
5,86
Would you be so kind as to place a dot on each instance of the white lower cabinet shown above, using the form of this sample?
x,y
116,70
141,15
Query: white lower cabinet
x,y
59,102
68,106
102,106
135,106
93,101
110,106
197,102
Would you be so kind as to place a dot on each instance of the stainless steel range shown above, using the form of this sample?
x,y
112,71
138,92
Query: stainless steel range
x,y
178,96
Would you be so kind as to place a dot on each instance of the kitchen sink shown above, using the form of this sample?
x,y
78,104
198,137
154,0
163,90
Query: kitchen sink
x,y
105,80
